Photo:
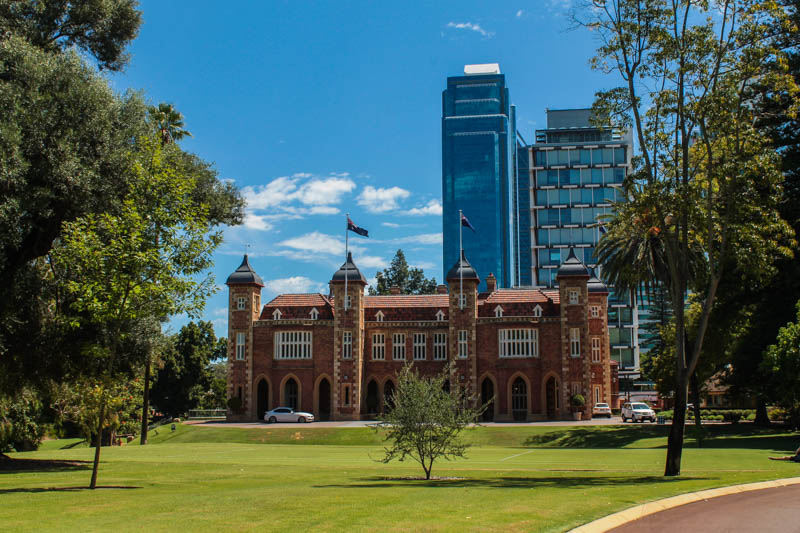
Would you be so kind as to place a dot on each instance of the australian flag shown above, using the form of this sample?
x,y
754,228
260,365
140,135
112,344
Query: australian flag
x,y
352,227
465,223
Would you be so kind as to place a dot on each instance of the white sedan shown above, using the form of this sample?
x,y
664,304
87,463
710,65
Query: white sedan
x,y
601,409
287,414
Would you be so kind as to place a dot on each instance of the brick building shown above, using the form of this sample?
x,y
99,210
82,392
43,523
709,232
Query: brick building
x,y
338,355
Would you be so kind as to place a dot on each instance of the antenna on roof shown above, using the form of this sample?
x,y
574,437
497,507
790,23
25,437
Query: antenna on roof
x,y
247,249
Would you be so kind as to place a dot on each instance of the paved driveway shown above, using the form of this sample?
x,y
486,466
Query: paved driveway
x,y
365,423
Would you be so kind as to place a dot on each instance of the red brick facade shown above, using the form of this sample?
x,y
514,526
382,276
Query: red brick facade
x,y
564,347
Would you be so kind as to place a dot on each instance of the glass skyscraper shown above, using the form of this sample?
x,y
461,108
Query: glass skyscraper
x,y
576,168
480,161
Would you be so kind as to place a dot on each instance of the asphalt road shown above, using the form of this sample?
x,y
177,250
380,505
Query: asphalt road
x,y
362,423
775,510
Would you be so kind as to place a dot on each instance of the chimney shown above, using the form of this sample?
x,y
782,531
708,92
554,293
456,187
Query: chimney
x,y
441,289
394,290
491,283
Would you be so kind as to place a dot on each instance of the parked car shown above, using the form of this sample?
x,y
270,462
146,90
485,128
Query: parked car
x,y
287,414
637,412
601,409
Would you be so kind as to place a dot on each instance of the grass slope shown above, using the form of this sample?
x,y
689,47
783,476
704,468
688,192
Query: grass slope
x,y
515,478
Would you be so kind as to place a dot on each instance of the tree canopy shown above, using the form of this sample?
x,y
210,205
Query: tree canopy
x,y
409,280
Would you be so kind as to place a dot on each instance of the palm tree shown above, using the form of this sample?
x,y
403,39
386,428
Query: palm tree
x,y
169,123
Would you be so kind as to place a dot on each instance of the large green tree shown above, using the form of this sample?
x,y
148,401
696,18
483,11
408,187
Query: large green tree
x,y
782,362
706,177
409,280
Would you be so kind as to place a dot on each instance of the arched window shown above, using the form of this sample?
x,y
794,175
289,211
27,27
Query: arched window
x,y
519,399
537,311
276,314
314,314
498,311
290,394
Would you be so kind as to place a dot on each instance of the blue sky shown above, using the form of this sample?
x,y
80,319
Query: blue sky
x,y
315,109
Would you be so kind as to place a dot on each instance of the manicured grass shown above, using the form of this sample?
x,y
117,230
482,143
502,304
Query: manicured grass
x,y
276,478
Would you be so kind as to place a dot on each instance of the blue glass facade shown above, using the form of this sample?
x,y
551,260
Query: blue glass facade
x,y
575,172
479,168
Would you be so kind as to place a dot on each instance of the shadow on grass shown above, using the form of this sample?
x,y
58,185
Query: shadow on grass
x,y
16,466
610,437
566,482
63,489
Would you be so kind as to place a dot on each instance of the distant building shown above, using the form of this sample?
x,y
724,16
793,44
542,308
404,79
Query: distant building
x,y
479,176
528,349
576,169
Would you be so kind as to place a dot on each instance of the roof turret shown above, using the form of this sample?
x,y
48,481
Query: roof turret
x,y
462,270
244,275
572,266
349,271
595,284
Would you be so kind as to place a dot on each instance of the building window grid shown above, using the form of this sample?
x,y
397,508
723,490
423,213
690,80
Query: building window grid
x,y
293,345
574,296
595,311
347,345
419,346
463,343
575,342
399,346
518,342
462,300
596,351
240,346
378,346
241,303
439,346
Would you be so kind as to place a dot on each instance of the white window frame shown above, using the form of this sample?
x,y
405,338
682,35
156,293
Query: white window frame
x,y
595,309
379,316
348,303
597,397
398,346
462,298
498,312
420,343
575,342
378,346
574,296
440,346
537,311
463,343
240,346
515,343
293,344
276,314
597,354
256,301
241,303
314,314
440,315
347,345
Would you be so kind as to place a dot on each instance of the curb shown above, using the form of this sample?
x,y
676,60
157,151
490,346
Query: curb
x,y
634,513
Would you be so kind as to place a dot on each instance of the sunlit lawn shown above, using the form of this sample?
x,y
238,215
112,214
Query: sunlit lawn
x,y
514,478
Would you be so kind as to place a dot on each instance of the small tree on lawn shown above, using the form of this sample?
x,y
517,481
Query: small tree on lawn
x,y
426,420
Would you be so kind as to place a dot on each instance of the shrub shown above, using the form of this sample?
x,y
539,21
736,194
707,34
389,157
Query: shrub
x,y
235,403
577,401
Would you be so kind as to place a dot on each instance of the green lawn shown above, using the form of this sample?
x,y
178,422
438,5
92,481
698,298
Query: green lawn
x,y
514,478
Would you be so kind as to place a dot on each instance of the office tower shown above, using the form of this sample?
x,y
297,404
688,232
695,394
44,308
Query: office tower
x,y
479,175
576,169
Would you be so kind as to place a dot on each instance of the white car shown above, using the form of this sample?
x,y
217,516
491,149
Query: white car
x,y
637,412
601,409
287,414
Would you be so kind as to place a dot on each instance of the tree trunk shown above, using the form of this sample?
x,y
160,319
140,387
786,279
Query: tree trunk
x,y
145,400
762,417
97,444
698,423
675,440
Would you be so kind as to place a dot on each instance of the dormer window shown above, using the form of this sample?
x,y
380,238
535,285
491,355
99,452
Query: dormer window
x,y
440,315
314,314
498,312
241,303
276,314
379,316
537,311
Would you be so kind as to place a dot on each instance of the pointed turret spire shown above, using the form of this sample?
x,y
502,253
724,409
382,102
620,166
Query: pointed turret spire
x,y
245,274
349,271
466,270
572,266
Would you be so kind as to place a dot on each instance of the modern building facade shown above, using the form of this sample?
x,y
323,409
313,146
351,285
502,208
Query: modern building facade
x,y
480,158
525,352
576,169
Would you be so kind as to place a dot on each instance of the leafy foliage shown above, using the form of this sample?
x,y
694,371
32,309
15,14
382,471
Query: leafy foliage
x,y
409,280
782,362
425,420
20,422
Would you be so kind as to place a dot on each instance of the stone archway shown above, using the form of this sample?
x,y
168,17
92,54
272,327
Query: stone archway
x,y
551,397
371,398
519,399
291,394
324,399
487,398
388,393
262,399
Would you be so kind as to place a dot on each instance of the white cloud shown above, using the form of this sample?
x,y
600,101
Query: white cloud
x,y
287,189
431,208
519,13
424,238
559,5
271,194
324,210
470,26
256,222
381,200
390,224
424,265
294,284
370,261
221,311
324,191
316,242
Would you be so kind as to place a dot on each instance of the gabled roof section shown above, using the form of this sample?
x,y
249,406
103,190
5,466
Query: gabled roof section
x,y
572,266
515,296
244,275
299,306
462,270
349,271
407,300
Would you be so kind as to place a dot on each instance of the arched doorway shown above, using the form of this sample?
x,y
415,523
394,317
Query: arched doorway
x,y
372,397
519,399
551,392
388,395
262,401
324,395
487,398
446,385
290,394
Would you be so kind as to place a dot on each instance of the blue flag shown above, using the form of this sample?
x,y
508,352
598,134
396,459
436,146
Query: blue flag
x,y
352,227
465,222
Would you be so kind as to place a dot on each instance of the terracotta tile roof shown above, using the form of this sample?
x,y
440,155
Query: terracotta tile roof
x,y
406,300
515,296
553,294
289,300
298,306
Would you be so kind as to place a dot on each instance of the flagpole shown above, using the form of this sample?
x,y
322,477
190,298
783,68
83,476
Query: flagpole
x,y
460,255
346,254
